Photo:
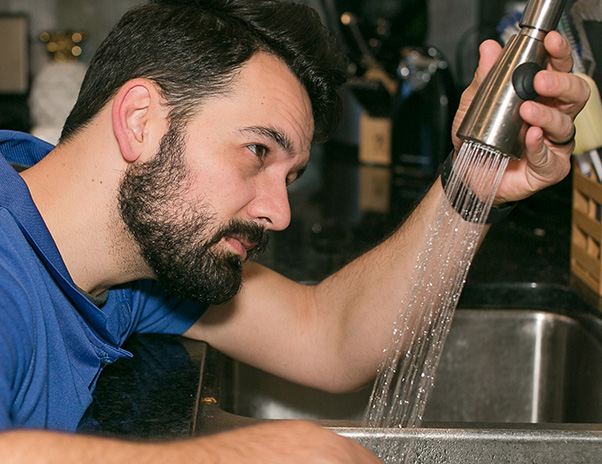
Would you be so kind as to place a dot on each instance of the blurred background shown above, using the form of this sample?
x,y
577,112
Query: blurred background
x,y
452,27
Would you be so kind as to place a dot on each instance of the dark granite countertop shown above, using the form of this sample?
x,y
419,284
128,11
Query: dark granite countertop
x,y
152,395
156,393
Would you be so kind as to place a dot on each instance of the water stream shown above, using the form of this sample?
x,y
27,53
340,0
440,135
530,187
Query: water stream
x,y
407,373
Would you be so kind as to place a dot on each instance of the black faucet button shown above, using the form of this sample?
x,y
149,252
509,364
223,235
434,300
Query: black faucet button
x,y
522,80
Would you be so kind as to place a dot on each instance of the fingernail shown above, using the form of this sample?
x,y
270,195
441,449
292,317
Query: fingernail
x,y
549,79
535,111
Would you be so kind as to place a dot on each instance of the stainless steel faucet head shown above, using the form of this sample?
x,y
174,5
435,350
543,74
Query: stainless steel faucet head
x,y
493,119
542,14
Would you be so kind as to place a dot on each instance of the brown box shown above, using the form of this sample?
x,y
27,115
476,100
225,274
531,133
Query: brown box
x,y
14,59
586,231
375,140
375,188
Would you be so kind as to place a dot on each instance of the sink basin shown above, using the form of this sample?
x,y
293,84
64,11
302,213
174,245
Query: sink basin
x,y
517,384
497,366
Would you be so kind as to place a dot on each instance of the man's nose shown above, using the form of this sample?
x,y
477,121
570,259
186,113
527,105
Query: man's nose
x,y
271,206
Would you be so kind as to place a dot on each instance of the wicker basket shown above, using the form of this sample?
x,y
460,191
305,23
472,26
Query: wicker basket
x,y
586,233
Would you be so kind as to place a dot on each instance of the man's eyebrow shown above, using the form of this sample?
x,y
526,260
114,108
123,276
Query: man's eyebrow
x,y
277,136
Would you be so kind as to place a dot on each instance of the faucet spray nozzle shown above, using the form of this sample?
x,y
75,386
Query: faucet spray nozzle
x,y
493,119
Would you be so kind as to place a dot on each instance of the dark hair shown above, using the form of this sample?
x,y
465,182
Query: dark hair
x,y
192,50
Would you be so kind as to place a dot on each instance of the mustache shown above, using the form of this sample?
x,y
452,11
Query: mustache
x,y
249,231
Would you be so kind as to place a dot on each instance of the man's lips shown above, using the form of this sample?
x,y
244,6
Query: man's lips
x,y
240,245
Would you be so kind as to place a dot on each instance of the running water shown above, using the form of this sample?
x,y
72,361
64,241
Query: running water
x,y
406,375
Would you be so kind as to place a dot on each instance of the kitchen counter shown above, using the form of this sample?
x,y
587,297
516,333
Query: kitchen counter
x,y
152,395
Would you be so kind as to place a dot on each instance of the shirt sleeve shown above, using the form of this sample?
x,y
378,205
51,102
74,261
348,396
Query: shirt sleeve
x,y
15,358
157,311
5,422
5,383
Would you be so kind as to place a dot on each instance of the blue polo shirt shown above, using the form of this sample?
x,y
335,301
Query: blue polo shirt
x,y
53,340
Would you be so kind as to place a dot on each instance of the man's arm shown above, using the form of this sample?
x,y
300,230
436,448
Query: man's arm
x,y
331,335
294,442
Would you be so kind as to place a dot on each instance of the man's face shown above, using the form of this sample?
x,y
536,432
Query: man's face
x,y
177,237
203,203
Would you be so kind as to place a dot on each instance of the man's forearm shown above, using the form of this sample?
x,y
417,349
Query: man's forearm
x,y
375,288
293,442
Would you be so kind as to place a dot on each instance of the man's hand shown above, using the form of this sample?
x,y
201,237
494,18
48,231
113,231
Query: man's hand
x,y
563,96
293,442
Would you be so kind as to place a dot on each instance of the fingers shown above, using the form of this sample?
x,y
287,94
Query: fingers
x,y
551,119
547,166
560,52
535,150
565,96
548,163
570,91
555,124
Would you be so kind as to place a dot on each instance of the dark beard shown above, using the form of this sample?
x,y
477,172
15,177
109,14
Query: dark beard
x,y
175,236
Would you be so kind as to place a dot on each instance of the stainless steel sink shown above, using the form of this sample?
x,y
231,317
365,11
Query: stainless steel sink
x,y
524,385
497,366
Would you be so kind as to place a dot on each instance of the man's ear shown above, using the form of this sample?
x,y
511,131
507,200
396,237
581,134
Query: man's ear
x,y
139,119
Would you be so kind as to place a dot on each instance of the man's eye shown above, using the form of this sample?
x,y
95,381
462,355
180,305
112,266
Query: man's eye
x,y
260,150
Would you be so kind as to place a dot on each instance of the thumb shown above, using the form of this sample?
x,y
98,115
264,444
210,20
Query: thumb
x,y
536,151
489,53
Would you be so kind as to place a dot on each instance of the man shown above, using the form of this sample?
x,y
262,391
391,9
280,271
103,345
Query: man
x,y
190,124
